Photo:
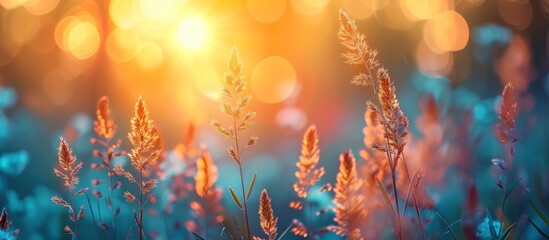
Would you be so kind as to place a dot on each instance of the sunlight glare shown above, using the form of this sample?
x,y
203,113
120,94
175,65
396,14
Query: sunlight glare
x,y
192,33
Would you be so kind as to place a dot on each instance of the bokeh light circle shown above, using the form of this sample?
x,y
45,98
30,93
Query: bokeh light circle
x,y
424,9
149,56
432,63
309,7
122,45
266,11
22,26
82,40
41,7
121,13
359,9
273,79
447,31
78,36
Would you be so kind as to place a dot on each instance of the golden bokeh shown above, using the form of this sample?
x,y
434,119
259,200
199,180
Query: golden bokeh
x,y
122,44
82,40
309,7
518,14
149,56
447,31
209,83
433,63
273,79
425,9
161,11
120,12
359,9
22,25
41,7
266,11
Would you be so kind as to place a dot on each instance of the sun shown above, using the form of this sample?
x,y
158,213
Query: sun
x,y
192,33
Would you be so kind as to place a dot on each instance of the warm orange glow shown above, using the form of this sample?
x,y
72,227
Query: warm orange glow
x,y
57,87
41,7
149,56
192,33
11,4
360,9
432,63
122,45
447,31
161,10
309,7
517,13
22,25
121,13
266,11
82,40
208,83
273,79
77,36
424,9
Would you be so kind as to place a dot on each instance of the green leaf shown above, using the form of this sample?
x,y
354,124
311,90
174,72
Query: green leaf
x,y
236,199
510,190
251,187
285,231
538,228
387,199
508,231
197,236
448,226
491,225
539,212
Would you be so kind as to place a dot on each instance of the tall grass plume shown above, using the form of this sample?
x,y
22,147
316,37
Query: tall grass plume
x,y
68,171
105,129
144,153
234,106
307,176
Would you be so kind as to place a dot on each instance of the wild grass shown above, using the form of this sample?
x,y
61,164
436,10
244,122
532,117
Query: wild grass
x,y
505,131
267,219
209,208
5,226
349,203
360,188
145,152
393,121
68,171
307,176
105,129
234,106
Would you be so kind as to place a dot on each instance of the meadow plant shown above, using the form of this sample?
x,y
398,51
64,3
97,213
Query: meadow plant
x,y
234,105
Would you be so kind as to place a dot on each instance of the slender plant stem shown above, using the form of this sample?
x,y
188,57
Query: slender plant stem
x,y
414,197
93,216
140,203
75,216
447,224
504,198
389,156
310,224
241,179
419,217
205,220
399,221
109,174
99,215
